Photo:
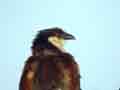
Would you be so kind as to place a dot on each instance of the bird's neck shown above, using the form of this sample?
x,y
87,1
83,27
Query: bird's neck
x,y
45,52
47,49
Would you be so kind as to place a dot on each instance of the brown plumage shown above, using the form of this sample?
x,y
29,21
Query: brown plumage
x,y
49,68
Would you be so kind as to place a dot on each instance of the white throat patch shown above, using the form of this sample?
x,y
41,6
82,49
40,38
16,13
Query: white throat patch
x,y
57,42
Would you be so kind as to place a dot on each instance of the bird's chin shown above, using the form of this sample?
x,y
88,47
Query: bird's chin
x,y
59,46
57,42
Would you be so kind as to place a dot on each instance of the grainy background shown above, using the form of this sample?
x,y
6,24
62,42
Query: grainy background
x,y
95,23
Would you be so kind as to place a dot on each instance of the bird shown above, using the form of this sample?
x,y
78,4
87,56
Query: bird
x,y
50,66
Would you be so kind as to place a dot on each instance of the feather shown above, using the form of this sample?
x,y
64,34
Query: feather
x,y
53,72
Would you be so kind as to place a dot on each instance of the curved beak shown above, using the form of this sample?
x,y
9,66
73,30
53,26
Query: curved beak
x,y
68,36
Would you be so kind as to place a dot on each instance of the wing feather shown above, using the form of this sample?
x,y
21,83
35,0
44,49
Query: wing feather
x,y
58,72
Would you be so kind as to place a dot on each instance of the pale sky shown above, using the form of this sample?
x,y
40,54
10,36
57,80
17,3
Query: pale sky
x,y
95,23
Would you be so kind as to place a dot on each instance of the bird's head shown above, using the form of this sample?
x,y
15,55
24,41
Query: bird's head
x,y
54,36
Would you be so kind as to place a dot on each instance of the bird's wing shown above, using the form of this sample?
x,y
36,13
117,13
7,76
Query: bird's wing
x,y
58,73
28,74
71,75
50,73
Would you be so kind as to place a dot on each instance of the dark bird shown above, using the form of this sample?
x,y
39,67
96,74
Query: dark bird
x,y
50,67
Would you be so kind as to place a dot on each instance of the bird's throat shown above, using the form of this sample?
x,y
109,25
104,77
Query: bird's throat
x,y
57,42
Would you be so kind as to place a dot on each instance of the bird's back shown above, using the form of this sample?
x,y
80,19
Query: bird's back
x,y
52,72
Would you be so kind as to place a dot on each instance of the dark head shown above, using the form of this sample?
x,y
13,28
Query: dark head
x,y
51,36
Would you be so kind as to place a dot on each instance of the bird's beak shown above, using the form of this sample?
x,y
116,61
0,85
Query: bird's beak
x,y
68,36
